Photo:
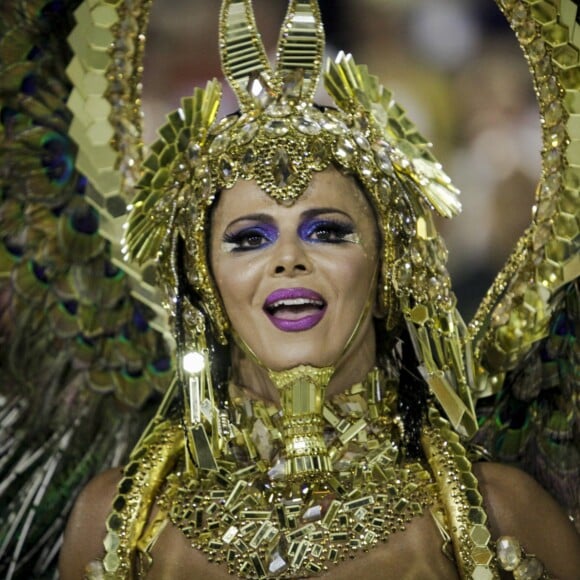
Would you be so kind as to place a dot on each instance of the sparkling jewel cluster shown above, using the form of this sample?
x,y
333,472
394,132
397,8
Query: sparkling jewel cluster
x,y
512,558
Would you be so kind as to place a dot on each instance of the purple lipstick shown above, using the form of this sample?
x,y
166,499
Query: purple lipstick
x,y
295,309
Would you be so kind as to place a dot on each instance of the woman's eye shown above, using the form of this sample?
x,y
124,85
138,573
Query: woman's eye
x,y
330,232
248,239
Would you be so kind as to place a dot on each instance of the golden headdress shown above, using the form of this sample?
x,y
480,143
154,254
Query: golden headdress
x,y
279,138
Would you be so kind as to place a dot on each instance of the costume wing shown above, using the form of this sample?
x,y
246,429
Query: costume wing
x,y
79,355
524,332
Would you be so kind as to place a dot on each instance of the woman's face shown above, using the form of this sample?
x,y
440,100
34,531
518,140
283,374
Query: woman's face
x,y
295,280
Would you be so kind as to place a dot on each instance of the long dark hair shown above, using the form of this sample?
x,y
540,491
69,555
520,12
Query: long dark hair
x,y
395,349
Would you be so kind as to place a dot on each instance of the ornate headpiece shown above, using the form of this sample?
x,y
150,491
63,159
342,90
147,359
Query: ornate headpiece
x,y
279,138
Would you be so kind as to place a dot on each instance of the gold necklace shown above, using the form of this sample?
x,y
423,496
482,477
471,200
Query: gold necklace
x,y
260,523
252,516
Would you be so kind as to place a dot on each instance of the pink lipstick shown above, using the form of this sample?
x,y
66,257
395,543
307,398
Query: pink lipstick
x,y
295,309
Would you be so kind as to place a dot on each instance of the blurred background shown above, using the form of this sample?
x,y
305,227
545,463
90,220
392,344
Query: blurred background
x,y
454,65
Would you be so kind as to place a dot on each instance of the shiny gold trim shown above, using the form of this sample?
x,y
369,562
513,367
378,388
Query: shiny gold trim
x,y
516,311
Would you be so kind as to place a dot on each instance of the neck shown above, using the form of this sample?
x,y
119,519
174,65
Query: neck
x,y
352,368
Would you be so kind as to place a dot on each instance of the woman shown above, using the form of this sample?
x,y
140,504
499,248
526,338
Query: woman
x,y
319,346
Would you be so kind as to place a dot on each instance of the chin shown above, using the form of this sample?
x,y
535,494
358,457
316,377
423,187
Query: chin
x,y
289,359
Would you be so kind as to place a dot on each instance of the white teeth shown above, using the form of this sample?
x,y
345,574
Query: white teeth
x,y
295,302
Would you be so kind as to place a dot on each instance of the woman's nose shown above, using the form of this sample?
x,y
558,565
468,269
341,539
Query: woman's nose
x,y
290,258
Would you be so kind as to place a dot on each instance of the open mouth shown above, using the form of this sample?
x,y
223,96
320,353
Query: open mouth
x,y
295,309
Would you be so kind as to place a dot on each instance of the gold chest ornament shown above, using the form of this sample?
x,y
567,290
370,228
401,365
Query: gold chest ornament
x,y
266,513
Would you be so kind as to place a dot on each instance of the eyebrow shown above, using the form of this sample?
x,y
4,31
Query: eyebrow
x,y
256,217
309,213
306,214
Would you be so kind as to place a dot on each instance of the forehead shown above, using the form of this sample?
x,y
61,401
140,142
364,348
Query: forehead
x,y
328,189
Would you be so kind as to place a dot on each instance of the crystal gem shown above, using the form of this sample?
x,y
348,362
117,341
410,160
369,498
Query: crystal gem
x,y
279,110
553,160
111,541
557,135
224,125
530,569
527,31
546,208
306,125
366,165
115,522
383,160
226,167
261,439
194,154
482,573
554,113
345,151
219,144
282,168
384,189
230,534
258,88
433,288
248,159
549,90
334,126
312,514
404,274
537,50
247,133
544,68
508,4
277,127
541,236
111,562
362,123
551,185
319,152
362,141
95,571
277,564
416,255
519,15
292,83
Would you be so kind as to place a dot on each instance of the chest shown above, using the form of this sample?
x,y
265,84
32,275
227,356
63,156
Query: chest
x,y
412,554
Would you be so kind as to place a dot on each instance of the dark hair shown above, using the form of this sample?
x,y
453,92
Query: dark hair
x,y
394,348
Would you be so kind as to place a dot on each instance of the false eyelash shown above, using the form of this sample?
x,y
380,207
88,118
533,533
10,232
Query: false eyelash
x,y
345,232
235,239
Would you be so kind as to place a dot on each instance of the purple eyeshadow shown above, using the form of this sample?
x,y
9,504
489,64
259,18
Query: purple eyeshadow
x,y
268,234
338,228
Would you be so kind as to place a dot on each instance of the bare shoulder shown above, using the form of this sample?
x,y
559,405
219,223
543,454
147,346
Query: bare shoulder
x,y
85,530
518,506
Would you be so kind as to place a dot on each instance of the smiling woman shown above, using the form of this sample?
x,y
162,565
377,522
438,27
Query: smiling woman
x,y
320,418
298,282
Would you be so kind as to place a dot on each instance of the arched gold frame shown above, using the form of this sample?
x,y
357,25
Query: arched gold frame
x,y
108,44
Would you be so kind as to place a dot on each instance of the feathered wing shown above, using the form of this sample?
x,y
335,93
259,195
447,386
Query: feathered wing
x,y
79,357
524,333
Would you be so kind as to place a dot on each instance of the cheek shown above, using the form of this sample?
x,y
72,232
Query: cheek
x,y
352,277
237,280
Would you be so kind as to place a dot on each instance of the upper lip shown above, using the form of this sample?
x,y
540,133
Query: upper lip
x,y
293,297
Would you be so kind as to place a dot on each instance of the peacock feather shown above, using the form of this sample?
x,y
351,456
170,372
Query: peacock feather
x,y
78,354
